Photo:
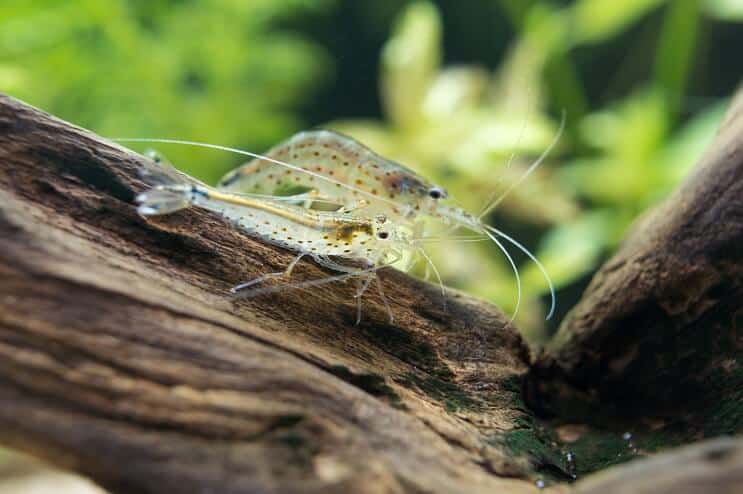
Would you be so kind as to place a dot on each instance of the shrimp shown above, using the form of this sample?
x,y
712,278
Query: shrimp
x,y
392,186
374,242
339,170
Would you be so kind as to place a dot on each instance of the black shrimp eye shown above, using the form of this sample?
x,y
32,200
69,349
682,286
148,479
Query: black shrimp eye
x,y
436,193
383,235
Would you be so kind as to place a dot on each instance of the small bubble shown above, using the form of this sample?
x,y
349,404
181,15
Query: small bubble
x,y
627,436
540,484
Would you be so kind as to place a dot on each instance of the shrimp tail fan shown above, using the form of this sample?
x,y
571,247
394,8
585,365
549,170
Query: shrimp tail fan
x,y
169,190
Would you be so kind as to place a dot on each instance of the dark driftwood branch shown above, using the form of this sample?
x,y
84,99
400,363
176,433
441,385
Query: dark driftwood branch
x,y
659,330
122,358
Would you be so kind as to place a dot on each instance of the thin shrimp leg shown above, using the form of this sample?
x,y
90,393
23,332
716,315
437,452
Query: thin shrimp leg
x,y
430,263
372,276
279,274
325,262
360,293
362,289
383,297
427,275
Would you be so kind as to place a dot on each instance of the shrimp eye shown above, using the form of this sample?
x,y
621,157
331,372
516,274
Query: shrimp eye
x,y
383,235
436,193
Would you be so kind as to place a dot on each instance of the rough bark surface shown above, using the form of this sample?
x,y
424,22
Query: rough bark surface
x,y
659,331
123,358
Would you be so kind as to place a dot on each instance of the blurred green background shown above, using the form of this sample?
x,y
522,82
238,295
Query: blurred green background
x,y
452,88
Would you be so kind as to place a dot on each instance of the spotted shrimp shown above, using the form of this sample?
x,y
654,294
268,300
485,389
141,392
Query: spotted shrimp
x,y
337,169
325,236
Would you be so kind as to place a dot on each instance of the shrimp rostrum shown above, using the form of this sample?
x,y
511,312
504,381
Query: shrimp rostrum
x,y
355,246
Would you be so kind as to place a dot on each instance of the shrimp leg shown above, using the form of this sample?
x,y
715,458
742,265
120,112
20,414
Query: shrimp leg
x,y
327,263
384,298
362,288
368,278
279,274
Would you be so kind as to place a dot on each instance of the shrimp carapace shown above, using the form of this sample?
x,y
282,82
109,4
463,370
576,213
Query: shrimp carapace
x,y
385,185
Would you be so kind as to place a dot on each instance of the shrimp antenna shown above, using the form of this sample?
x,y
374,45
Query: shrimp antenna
x,y
257,156
515,272
488,208
494,195
536,261
453,238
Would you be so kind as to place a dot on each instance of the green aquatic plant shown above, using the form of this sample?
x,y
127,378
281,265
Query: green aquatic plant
x,y
220,71
477,131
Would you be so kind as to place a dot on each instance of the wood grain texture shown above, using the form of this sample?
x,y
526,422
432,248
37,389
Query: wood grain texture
x,y
123,357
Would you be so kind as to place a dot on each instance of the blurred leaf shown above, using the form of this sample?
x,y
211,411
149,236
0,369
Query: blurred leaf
x,y
597,20
688,144
409,61
455,90
570,250
518,83
492,138
727,10
546,39
12,77
164,69
630,136
675,51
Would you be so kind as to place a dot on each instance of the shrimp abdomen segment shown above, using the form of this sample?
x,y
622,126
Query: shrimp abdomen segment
x,y
292,227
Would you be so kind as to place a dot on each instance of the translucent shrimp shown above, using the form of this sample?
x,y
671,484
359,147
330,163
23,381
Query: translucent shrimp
x,y
333,168
387,184
372,242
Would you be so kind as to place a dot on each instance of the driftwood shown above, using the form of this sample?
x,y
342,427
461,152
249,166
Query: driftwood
x,y
659,330
123,358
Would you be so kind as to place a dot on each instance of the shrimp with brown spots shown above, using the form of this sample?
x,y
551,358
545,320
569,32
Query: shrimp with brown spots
x,y
333,168
373,242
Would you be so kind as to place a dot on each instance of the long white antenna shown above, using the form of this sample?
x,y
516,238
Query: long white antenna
x,y
536,261
531,168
